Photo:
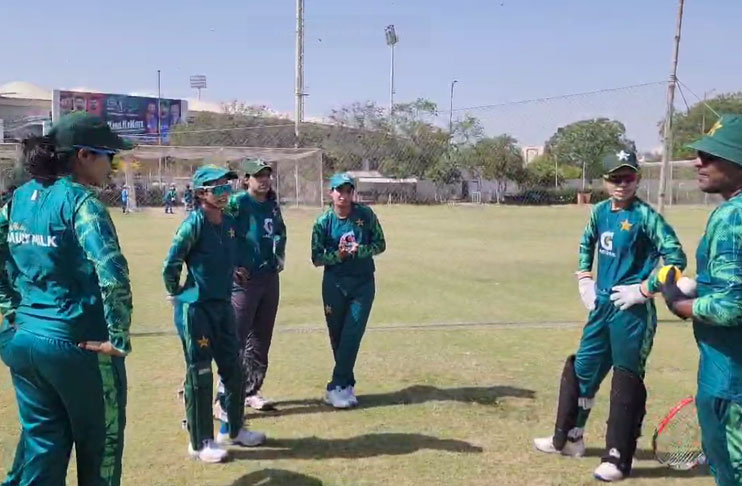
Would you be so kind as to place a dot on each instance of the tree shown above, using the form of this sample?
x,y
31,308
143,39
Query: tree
x,y
689,126
541,172
584,143
498,159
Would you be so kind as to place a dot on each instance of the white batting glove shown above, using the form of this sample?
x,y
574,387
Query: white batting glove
x,y
688,287
586,287
626,296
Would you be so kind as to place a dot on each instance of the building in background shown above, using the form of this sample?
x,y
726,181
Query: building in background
x,y
24,109
530,153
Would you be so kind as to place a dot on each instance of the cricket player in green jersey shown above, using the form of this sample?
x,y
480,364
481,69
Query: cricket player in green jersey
x,y
261,252
629,237
64,288
205,242
344,241
716,304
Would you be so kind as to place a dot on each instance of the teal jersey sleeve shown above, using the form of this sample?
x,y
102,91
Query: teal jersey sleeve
x,y
9,298
587,242
322,256
280,234
97,237
377,242
663,236
233,205
720,269
185,238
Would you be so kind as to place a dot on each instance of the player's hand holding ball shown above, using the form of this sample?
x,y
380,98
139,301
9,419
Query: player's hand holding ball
x,y
670,278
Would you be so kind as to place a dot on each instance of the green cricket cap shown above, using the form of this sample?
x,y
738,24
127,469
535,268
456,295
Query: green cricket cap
x,y
252,166
615,160
724,139
341,179
83,130
209,173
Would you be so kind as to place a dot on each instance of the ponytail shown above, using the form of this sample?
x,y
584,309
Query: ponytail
x,y
41,160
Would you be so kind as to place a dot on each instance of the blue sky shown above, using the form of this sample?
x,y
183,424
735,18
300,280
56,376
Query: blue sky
x,y
499,51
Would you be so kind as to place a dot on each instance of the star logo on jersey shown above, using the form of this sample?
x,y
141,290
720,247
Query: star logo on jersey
x,y
623,155
359,222
625,225
203,342
231,232
714,128
328,310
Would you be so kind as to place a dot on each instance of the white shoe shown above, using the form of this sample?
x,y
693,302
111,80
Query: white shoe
x,y
210,452
245,438
570,449
350,394
259,402
338,398
608,472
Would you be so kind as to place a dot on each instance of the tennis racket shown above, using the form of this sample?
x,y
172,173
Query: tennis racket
x,y
677,439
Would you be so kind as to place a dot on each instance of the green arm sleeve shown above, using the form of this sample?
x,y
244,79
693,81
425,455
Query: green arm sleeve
x,y
587,244
9,298
280,234
378,243
723,305
320,255
97,237
667,244
184,240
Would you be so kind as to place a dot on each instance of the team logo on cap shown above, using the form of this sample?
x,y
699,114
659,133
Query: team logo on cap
x,y
714,128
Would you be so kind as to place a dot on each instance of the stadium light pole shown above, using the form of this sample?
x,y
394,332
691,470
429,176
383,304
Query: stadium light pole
x,y
450,113
391,41
299,115
159,129
672,82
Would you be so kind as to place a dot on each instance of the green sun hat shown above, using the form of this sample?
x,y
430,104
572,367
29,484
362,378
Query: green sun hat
x,y
616,160
723,140
341,179
251,167
82,130
209,173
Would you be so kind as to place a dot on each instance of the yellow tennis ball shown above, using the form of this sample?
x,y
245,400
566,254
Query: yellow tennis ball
x,y
662,274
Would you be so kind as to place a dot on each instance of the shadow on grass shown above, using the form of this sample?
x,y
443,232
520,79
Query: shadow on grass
x,y
276,477
665,472
369,445
485,395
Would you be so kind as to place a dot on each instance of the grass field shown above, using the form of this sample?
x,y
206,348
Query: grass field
x,y
440,404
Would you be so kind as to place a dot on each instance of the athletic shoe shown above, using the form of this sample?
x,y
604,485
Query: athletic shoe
x,y
338,398
245,438
350,394
570,449
259,402
608,472
209,452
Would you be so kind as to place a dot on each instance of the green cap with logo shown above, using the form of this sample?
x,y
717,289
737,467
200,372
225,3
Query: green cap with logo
x,y
252,166
341,179
615,160
723,140
79,129
210,173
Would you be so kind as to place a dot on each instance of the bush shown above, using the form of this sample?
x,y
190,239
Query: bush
x,y
551,197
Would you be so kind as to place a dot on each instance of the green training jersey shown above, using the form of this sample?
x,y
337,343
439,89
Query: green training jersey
x,y
629,243
170,196
70,280
717,312
207,249
261,233
330,231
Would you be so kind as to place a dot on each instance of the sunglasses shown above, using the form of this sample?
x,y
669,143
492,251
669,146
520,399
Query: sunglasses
x,y
707,157
618,179
97,151
220,190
